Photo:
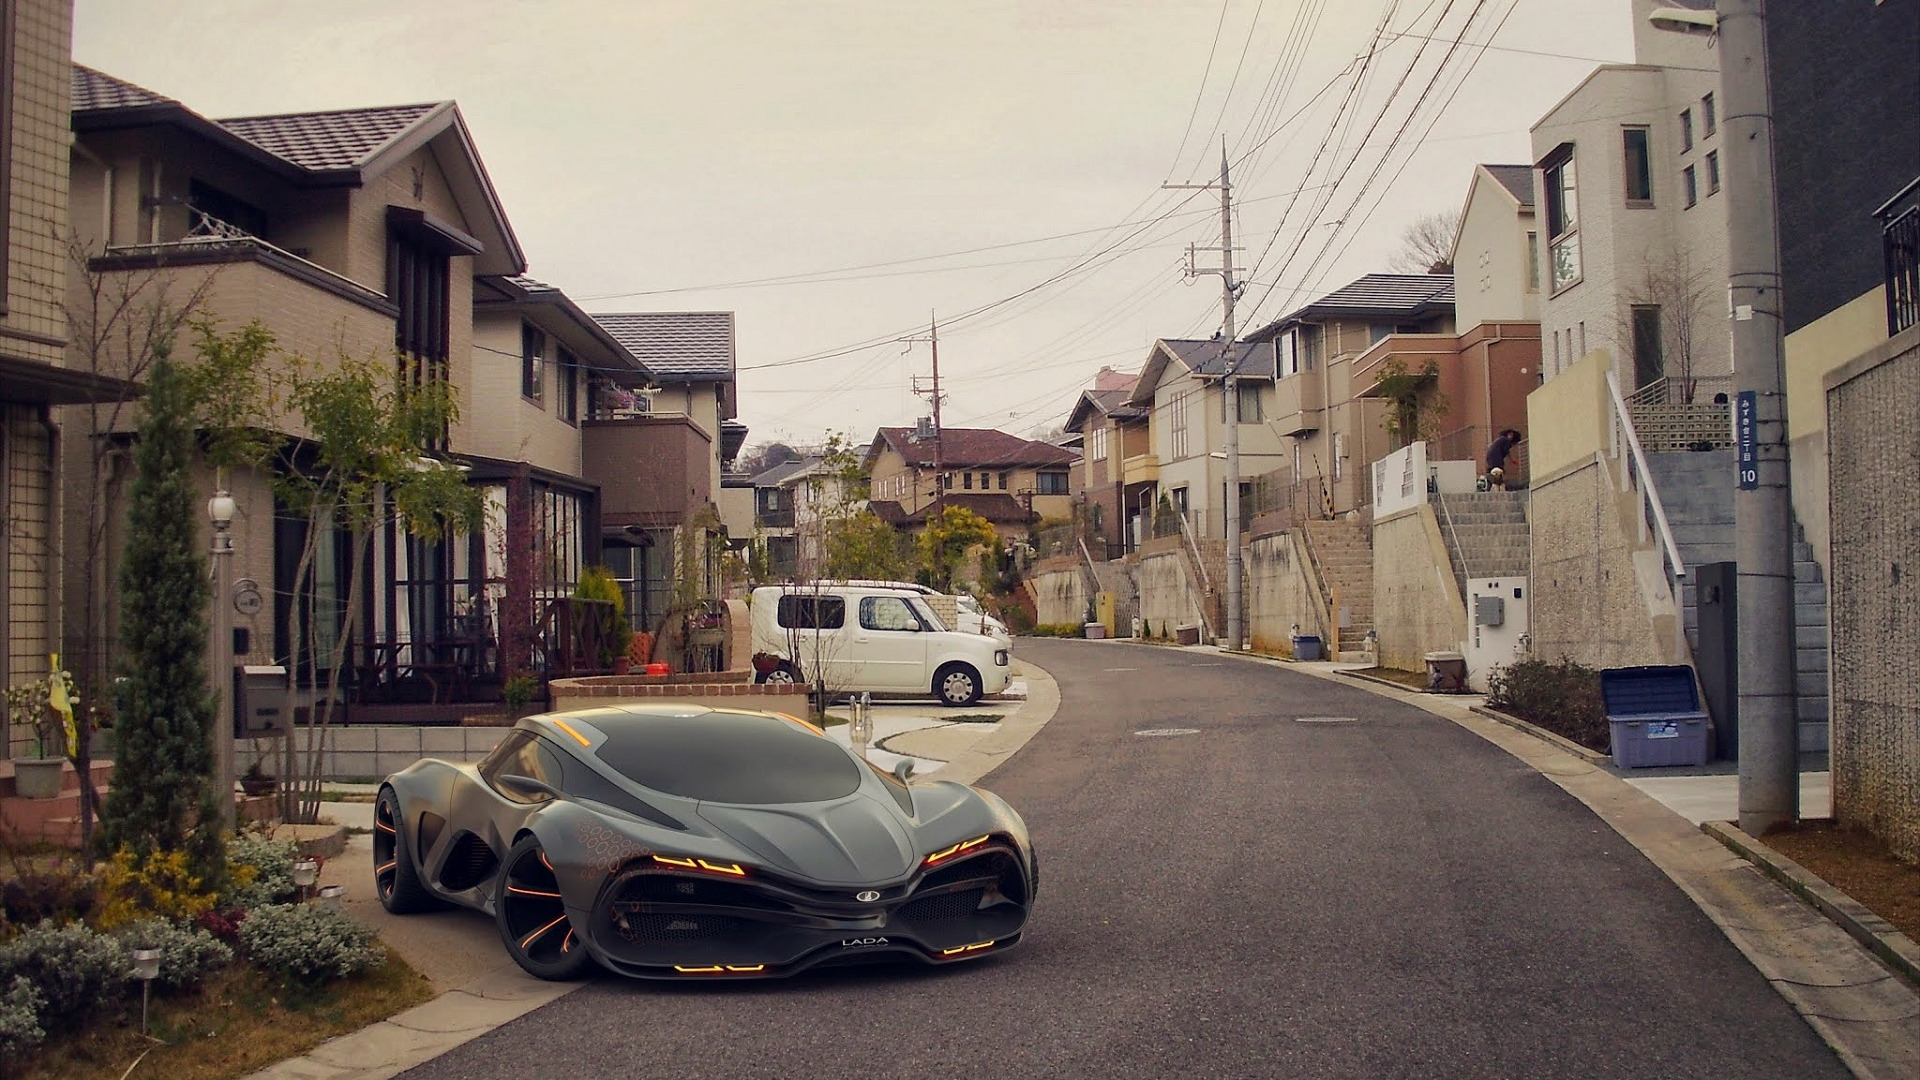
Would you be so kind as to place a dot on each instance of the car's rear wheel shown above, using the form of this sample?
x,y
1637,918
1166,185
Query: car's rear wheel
x,y
394,879
957,685
784,675
533,918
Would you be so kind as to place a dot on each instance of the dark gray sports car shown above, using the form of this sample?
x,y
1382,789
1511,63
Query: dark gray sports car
x,y
676,842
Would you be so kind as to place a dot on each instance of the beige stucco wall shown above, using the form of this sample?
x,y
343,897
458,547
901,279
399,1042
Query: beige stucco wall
x,y
1279,595
1811,352
1594,599
1060,596
1490,258
1874,597
1568,418
503,422
1417,607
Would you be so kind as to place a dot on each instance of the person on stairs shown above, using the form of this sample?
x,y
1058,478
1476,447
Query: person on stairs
x,y
1497,453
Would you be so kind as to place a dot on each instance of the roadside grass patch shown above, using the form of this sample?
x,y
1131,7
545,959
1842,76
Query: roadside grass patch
x,y
240,1021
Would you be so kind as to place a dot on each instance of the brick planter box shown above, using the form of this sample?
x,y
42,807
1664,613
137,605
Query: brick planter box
x,y
719,689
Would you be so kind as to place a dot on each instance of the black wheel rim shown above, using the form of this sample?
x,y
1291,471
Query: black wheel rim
x,y
386,847
533,912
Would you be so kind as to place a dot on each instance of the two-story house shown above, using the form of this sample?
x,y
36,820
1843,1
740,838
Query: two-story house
x,y
1181,390
1332,433
1010,481
658,455
1110,431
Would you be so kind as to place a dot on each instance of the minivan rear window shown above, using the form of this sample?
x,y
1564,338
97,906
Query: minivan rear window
x,y
812,612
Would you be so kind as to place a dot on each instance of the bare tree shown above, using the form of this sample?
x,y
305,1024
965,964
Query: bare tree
x,y
1426,245
1673,298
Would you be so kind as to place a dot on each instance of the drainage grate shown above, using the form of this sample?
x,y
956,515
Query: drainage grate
x,y
1163,732
1326,719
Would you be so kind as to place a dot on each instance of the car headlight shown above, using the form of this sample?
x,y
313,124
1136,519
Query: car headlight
x,y
1001,658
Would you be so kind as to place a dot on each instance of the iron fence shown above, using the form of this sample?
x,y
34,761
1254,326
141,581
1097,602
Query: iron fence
x,y
1900,240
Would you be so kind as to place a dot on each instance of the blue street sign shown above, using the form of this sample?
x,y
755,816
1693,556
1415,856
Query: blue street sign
x,y
1745,422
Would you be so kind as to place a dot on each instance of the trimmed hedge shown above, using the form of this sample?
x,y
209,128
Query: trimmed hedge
x,y
1562,696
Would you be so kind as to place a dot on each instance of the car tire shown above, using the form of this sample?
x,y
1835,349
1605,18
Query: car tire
x,y
784,675
957,685
532,917
395,880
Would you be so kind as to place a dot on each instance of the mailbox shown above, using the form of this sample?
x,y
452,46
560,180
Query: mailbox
x,y
259,700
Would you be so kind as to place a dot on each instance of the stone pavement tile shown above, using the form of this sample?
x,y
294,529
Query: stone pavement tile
x,y
942,743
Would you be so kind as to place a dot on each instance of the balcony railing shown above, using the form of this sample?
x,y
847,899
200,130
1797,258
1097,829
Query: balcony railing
x,y
1900,239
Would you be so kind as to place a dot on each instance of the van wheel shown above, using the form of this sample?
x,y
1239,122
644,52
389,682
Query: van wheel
x,y
957,685
784,675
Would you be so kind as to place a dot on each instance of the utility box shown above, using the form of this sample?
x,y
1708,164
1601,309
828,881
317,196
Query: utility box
x,y
259,700
1497,610
1654,715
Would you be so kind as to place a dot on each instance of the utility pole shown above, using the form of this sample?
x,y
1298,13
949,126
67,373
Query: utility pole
x,y
939,454
1762,499
1230,388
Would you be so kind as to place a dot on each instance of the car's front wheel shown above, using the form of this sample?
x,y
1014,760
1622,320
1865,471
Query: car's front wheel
x,y
957,685
394,879
784,675
532,917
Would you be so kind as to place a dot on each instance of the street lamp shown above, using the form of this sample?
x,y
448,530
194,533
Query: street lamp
x,y
220,511
146,968
1762,499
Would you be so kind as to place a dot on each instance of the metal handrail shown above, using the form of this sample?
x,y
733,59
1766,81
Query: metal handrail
x,y
1650,494
1200,566
1466,571
1329,629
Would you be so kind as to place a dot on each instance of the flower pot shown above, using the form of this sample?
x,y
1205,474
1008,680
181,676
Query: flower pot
x,y
260,785
38,778
708,635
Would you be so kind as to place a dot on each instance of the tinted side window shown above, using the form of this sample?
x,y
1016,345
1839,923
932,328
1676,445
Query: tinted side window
x,y
887,613
522,755
812,612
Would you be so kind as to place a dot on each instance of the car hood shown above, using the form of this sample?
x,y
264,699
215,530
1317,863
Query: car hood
x,y
853,840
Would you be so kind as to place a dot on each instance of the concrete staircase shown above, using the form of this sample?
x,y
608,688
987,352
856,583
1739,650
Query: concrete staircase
x,y
1696,490
54,821
1485,533
1345,557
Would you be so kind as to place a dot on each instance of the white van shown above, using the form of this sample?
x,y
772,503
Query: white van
x,y
969,617
872,638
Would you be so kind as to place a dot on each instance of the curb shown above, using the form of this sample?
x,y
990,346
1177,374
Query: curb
x,y
1894,948
1591,757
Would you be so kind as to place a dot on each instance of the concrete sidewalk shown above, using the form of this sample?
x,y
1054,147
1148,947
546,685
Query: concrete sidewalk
x,y
478,989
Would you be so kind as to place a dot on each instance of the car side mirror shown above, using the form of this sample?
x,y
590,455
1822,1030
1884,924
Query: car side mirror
x,y
528,786
902,770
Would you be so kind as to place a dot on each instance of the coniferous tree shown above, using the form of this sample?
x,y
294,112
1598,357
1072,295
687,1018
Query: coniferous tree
x,y
162,797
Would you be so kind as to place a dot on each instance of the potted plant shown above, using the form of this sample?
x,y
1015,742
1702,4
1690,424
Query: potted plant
x,y
33,705
518,692
612,634
707,626
256,781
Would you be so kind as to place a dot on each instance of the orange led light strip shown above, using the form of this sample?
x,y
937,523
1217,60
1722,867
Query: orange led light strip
x,y
957,849
731,869
717,969
518,891
568,728
967,948
792,719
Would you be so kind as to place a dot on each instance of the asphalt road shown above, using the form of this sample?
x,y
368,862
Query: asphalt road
x,y
1387,896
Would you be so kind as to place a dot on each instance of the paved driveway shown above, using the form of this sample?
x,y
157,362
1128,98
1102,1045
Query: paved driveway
x,y
1317,882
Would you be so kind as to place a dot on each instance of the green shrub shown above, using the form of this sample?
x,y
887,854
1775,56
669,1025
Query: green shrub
x,y
187,955
1562,696
74,968
309,943
63,896
260,871
20,1011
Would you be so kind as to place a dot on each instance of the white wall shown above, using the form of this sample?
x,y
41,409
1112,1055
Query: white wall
x,y
1490,259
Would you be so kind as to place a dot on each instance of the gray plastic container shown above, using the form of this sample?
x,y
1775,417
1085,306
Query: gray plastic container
x,y
1654,716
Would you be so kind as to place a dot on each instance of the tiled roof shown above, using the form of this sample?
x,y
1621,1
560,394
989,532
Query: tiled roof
x,y
98,90
329,140
974,448
1207,359
1111,403
1387,295
997,508
677,346
1517,179
773,475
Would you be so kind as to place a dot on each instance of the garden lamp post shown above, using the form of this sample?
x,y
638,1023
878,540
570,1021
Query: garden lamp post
x,y
146,968
220,511
332,895
305,873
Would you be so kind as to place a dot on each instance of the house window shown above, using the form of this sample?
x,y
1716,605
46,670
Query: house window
x,y
1289,360
1649,359
1713,171
1050,483
1177,426
533,363
1686,130
1376,331
1003,481
1249,401
1691,183
1533,262
1709,115
568,405
417,279
1563,220
966,480
1639,165
1097,443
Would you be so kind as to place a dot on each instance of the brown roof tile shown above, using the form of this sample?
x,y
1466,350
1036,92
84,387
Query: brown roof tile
x,y
963,448
341,139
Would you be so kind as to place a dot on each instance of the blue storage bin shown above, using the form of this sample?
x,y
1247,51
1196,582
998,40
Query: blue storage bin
x,y
1654,716
1306,647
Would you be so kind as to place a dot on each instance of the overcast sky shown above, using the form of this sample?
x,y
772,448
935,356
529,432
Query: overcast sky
x,y
908,160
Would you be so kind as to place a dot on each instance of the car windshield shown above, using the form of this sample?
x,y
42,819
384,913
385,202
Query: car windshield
x,y
727,757
934,621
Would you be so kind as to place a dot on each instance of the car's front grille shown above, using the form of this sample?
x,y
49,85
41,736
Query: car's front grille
x,y
648,929
942,908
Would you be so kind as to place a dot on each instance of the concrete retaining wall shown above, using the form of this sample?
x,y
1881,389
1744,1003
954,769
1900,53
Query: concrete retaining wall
x,y
1167,592
360,752
1417,607
1280,594
1598,598
1060,593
